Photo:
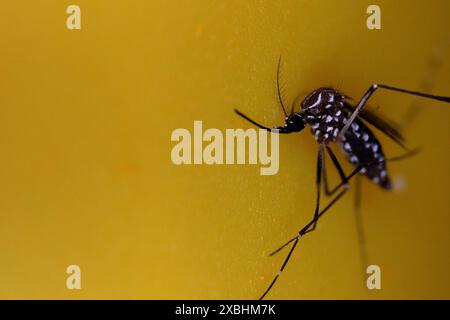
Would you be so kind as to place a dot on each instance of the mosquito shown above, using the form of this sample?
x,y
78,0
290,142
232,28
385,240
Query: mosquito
x,y
333,119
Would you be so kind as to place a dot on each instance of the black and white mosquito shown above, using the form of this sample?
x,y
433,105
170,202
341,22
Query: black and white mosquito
x,y
334,120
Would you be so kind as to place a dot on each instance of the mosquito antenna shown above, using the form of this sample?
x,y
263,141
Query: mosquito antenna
x,y
292,108
294,103
278,88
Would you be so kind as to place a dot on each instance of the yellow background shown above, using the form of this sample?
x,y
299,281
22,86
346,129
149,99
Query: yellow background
x,y
86,176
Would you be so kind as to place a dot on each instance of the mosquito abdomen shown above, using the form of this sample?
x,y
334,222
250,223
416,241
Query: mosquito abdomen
x,y
361,147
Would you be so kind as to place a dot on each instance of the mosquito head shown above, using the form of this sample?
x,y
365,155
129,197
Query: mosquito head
x,y
294,123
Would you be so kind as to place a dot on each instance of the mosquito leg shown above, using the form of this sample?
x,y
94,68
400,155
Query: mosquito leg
x,y
301,233
320,166
322,178
371,91
344,182
359,225
337,165
304,230
357,206
360,167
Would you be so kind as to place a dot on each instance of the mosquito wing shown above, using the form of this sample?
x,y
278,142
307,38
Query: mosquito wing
x,y
385,126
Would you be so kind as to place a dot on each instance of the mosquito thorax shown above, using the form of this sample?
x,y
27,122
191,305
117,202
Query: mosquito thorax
x,y
321,99
323,110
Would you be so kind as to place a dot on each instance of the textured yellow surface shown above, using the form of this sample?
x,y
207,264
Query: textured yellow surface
x,y
86,176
